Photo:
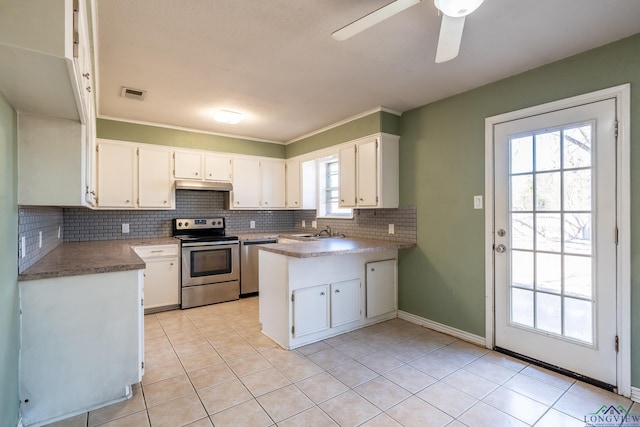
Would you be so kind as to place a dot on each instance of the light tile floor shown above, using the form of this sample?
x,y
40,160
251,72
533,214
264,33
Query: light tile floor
x,y
212,366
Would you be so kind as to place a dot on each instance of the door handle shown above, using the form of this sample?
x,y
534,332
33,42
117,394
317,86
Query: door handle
x,y
501,248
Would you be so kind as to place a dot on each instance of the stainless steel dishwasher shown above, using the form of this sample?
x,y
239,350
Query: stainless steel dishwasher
x,y
249,265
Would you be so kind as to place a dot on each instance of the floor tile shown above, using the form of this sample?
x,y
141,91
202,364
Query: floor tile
x,y
349,409
516,405
233,351
555,418
155,373
355,348
278,356
313,348
505,361
382,420
592,392
447,398
203,422
329,358
193,362
352,374
546,376
284,403
166,390
410,378
75,421
249,364
436,365
313,417
265,381
407,351
112,412
380,362
471,384
467,347
210,376
537,390
177,412
224,396
299,369
415,412
490,371
321,387
578,406
483,415
382,392
138,419
247,414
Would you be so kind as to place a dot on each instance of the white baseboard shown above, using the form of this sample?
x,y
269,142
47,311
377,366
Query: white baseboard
x,y
635,394
457,333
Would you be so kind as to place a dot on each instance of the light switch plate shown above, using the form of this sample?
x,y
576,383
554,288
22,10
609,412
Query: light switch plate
x,y
304,224
392,229
314,224
252,224
477,202
125,228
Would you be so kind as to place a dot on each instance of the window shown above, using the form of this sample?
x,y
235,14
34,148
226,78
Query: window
x,y
328,189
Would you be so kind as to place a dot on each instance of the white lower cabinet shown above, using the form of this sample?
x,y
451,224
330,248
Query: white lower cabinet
x,y
310,310
382,287
345,302
161,277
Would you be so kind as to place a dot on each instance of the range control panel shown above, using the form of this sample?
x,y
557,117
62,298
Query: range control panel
x,y
198,223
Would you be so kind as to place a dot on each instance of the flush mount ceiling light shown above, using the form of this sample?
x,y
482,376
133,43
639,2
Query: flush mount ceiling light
x,y
229,117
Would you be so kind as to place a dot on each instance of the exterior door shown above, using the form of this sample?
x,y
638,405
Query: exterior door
x,y
555,238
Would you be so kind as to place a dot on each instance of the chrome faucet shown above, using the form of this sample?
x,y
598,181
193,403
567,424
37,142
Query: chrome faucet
x,y
326,230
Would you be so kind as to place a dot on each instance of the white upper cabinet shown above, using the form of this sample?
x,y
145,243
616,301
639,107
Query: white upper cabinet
x,y
369,173
293,187
188,165
154,178
246,183
45,57
116,175
134,176
272,183
217,167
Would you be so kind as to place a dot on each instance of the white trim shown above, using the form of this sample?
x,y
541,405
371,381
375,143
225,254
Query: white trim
x,y
457,333
622,94
158,125
341,122
635,394
19,422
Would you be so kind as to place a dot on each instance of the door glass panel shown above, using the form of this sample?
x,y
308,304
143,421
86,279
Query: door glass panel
x,y
549,313
551,285
548,191
548,232
522,154
548,151
522,307
522,267
578,319
522,193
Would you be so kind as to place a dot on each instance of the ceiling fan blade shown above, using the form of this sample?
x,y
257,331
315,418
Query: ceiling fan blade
x,y
450,38
372,19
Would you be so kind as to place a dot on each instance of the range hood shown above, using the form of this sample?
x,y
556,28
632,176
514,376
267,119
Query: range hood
x,y
185,184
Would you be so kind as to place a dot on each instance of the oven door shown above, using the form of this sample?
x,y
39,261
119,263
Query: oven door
x,y
209,262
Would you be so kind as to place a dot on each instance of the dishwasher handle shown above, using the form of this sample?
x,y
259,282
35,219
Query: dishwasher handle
x,y
258,242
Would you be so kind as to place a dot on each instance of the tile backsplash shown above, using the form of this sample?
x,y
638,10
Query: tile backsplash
x,y
80,224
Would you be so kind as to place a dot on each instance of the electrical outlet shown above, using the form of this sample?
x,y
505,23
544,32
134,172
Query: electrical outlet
x,y
39,239
314,224
304,224
392,229
477,202
252,224
125,228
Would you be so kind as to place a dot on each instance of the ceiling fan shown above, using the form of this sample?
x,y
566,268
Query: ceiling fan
x,y
453,17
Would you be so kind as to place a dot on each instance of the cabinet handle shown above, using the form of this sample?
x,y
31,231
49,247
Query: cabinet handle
x,y
157,252
322,293
89,89
170,263
196,173
237,203
127,201
86,75
337,291
165,202
373,269
295,203
342,200
266,203
362,200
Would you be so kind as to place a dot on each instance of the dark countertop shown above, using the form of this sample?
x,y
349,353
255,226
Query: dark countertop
x,y
80,258
333,246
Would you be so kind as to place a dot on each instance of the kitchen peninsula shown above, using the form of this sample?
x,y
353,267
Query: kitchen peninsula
x,y
312,290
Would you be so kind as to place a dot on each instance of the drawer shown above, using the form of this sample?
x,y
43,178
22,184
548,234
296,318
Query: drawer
x,y
154,251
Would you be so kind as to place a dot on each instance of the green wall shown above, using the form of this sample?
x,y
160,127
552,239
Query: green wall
x,y
380,121
124,131
442,168
9,320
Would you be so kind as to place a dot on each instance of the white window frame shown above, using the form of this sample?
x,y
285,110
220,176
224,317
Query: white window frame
x,y
321,181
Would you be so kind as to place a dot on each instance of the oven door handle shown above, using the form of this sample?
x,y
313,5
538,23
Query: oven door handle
x,y
201,244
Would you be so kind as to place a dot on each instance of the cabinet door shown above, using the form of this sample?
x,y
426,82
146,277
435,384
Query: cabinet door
x,y
348,177
188,165
345,302
367,172
272,183
293,184
161,283
154,178
217,168
310,310
116,174
382,287
246,183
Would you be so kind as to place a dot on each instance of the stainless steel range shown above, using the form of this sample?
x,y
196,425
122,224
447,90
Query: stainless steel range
x,y
210,261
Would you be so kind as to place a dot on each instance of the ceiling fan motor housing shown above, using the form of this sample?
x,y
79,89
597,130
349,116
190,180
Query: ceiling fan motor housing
x,y
457,8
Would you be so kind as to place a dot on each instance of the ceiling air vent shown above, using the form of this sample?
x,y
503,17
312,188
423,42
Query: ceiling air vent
x,y
131,93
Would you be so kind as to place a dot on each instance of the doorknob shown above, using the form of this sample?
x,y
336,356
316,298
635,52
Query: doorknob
x,y
501,248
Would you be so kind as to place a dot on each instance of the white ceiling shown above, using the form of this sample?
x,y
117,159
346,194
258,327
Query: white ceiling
x,y
274,60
